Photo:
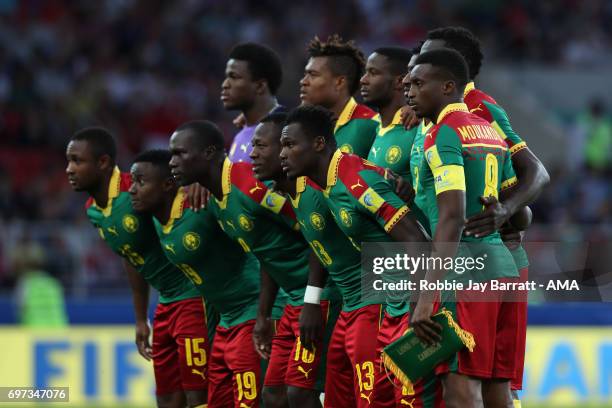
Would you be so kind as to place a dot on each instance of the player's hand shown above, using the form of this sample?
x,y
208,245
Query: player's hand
x,y
403,188
262,337
197,196
408,117
511,236
426,329
239,121
311,325
143,331
489,220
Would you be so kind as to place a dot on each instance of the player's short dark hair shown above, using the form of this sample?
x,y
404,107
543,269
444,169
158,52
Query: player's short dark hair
x,y
416,50
278,118
159,158
464,41
450,62
314,121
206,134
345,59
399,58
263,63
100,140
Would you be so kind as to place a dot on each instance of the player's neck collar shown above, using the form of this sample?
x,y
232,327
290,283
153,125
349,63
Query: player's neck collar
x,y
469,88
300,186
397,120
346,114
332,170
176,211
113,191
450,108
226,182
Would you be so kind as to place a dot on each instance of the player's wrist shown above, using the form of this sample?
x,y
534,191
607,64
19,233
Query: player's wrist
x,y
312,295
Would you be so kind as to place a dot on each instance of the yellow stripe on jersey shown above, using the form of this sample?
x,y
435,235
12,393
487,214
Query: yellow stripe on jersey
x,y
395,219
371,200
517,147
449,177
273,201
433,157
508,183
516,403
499,130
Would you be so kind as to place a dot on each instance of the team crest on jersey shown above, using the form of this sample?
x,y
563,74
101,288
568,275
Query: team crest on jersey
x,y
191,240
245,223
346,148
345,217
130,223
317,221
394,154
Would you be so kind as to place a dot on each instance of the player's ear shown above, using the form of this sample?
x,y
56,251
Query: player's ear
x,y
397,83
449,87
319,143
260,86
209,152
105,162
339,82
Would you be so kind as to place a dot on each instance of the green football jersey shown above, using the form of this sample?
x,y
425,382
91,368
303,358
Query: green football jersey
x,y
263,223
392,150
483,105
463,152
226,276
416,160
355,129
334,250
364,205
132,236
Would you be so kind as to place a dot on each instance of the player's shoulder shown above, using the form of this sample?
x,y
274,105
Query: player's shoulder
x,y
432,134
363,112
353,172
308,183
243,178
476,96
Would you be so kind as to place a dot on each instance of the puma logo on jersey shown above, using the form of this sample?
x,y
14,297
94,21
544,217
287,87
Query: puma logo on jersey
x,y
200,373
429,134
478,108
231,224
366,397
410,404
244,147
358,184
254,189
375,150
301,370
113,230
170,248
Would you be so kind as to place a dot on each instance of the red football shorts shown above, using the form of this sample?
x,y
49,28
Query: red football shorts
x,y
495,326
388,391
290,363
352,359
180,346
234,368
521,334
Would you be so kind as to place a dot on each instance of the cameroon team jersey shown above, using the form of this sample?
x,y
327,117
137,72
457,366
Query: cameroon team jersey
x,y
263,223
416,160
463,152
226,276
392,149
132,236
336,253
355,129
364,205
483,105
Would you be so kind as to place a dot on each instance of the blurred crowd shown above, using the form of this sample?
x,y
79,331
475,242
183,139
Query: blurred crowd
x,y
140,68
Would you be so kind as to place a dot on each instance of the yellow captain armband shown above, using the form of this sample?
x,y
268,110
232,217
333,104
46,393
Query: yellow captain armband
x,y
449,177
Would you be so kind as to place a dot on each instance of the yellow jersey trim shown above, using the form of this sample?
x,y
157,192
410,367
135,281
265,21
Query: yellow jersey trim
x,y
517,147
300,186
397,120
492,146
113,192
395,219
450,108
176,211
468,88
449,177
226,183
426,126
332,171
508,183
346,114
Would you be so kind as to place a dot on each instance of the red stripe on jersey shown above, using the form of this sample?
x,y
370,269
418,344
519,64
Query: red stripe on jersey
x,y
125,182
430,137
243,178
475,102
89,202
363,112
312,184
348,172
386,212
